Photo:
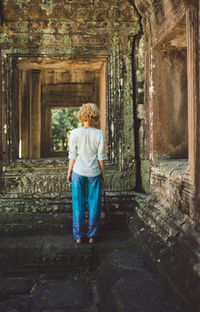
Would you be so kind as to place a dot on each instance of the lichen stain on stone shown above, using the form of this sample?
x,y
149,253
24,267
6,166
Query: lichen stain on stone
x,y
12,12
47,5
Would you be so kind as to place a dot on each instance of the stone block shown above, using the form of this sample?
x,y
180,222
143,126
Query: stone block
x,y
145,172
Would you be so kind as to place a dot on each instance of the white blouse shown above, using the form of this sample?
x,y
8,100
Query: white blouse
x,y
87,146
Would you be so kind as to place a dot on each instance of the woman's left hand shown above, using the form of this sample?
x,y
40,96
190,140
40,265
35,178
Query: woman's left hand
x,y
103,178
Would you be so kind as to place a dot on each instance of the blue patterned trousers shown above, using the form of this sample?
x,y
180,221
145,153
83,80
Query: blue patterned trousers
x,y
86,188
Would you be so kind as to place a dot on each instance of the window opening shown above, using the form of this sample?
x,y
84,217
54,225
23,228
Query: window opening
x,y
171,111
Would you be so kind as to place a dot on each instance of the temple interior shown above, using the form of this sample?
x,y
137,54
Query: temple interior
x,y
139,61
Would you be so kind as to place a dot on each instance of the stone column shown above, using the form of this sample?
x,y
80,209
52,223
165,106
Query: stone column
x,y
193,109
35,114
24,112
3,125
102,98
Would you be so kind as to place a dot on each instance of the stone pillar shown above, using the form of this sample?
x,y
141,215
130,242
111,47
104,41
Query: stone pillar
x,y
102,98
192,61
24,114
97,81
96,93
35,114
3,126
1,10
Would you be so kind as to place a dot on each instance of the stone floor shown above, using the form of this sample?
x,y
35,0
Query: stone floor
x,y
52,274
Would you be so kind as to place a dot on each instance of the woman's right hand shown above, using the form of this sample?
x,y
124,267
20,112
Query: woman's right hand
x,y
70,167
69,177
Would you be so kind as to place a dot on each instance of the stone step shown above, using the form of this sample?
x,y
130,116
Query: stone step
x,y
35,204
35,223
47,292
43,252
61,202
53,222
54,252
123,279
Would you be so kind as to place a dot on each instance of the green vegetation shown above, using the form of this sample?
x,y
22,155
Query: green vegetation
x,y
63,120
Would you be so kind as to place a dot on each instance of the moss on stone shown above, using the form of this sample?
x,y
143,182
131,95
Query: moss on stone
x,y
145,168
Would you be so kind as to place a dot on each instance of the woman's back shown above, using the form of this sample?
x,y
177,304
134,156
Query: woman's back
x,y
87,147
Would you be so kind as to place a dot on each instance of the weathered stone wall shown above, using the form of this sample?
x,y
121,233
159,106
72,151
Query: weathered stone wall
x,y
168,80
85,33
166,222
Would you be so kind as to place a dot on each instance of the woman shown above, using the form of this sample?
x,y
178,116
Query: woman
x,y
86,172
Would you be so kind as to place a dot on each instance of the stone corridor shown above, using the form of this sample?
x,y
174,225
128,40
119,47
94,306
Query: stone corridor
x,y
139,61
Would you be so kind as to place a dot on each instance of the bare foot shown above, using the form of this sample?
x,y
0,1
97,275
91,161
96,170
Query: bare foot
x,y
79,241
91,240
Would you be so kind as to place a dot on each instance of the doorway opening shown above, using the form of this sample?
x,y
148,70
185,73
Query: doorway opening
x,y
49,96
63,120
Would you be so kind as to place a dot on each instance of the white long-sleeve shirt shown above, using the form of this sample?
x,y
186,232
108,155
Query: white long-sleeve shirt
x,y
86,146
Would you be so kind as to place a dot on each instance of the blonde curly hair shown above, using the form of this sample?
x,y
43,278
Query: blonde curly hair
x,y
89,112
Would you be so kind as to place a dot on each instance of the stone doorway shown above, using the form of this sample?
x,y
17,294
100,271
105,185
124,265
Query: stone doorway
x,y
47,85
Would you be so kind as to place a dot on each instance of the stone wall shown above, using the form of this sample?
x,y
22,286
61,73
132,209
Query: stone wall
x,y
166,223
68,35
171,108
